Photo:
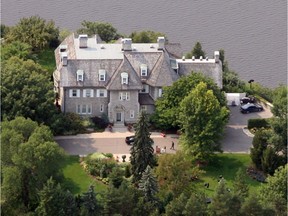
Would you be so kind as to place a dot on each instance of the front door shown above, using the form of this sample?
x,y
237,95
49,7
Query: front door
x,y
118,117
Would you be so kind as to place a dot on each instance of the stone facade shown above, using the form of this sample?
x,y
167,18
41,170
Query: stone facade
x,y
93,78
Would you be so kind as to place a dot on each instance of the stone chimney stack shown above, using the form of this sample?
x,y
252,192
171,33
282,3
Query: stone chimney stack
x,y
216,56
161,43
126,44
83,41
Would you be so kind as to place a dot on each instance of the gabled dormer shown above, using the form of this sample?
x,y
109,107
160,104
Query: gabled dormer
x,y
80,75
143,70
124,78
102,75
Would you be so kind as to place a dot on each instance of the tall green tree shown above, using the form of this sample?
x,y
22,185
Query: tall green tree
x,y
90,206
4,30
197,51
16,48
177,206
105,30
53,201
167,107
203,121
148,184
35,31
253,207
196,205
146,36
26,91
274,193
240,185
142,150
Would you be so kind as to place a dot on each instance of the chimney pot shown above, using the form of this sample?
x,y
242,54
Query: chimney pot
x,y
83,38
127,44
216,56
161,43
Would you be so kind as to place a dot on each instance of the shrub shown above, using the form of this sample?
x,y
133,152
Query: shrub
x,y
100,122
258,123
99,166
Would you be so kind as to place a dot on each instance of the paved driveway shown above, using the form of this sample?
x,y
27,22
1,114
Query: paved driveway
x,y
235,139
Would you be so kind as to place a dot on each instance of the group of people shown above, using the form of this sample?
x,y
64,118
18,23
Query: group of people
x,y
163,150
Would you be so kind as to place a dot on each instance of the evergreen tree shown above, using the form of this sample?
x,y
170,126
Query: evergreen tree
x,y
142,150
253,207
240,185
196,205
196,51
89,203
177,206
148,184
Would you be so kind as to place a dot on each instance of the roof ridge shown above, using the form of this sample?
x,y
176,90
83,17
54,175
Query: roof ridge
x,y
155,66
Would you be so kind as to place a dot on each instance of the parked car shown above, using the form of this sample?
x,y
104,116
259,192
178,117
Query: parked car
x,y
246,100
251,107
130,140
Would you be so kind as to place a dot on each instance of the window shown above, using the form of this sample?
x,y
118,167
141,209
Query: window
x,y
102,75
131,113
124,78
143,108
145,89
124,96
143,69
74,93
88,93
101,107
84,109
101,93
80,75
160,92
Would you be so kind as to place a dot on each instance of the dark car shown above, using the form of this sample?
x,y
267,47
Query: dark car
x,y
130,140
251,107
246,100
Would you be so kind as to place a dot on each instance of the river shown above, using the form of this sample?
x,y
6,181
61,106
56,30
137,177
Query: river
x,y
253,33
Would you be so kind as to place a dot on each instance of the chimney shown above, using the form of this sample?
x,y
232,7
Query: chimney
x,y
216,56
83,41
64,58
201,57
161,43
183,58
127,44
193,58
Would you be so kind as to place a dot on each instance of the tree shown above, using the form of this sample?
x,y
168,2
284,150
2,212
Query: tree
x,y
196,205
280,102
16,48
196,51
274,193
177,206
253,207
148,184
146,36
142,150
53,200
90,206
240,185
32,160
35,31
270,160
4,30
167,107
26,91
203,121
105,30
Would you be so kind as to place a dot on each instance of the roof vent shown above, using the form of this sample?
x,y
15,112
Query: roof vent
x,y
207,58
152,46
201,57
161,43
62,48
193,58
102,47
134,48
183,58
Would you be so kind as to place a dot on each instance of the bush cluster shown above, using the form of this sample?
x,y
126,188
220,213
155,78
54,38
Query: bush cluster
x,y
258,123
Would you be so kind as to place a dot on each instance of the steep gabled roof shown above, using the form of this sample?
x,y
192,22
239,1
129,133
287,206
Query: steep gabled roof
x,y
134,80
162,74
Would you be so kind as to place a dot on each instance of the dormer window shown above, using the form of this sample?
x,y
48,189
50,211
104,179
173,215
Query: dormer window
x,y
80,75
102,75
143,69
124,78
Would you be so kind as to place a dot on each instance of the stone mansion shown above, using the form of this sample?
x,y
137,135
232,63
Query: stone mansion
x,y
93,78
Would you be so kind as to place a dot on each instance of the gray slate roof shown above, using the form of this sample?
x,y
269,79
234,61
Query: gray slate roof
x,y
146,99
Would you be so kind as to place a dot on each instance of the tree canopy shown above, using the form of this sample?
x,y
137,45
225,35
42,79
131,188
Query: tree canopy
x,y
105,30
146,36
35,31
197,51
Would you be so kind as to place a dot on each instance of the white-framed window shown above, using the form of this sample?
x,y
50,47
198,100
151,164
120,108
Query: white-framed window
x,y
101,107
132,114
160,92
124,96
124,78
84,109
74,92
145,89
88,93
101,93
80,75
102,75
143,69
143,107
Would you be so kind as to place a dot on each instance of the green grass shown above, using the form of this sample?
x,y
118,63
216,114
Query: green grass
x,y
46,58
226,165
76,179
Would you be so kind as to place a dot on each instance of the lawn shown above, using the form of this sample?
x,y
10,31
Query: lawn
x,y
226,165
76,179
